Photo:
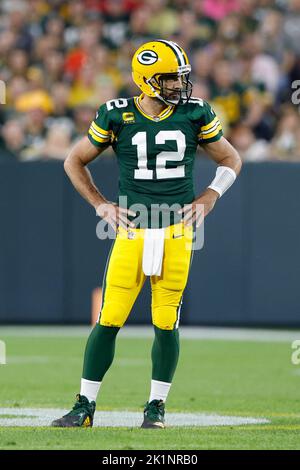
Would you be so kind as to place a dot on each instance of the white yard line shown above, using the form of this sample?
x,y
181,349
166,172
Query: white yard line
x,y
186,332
36,417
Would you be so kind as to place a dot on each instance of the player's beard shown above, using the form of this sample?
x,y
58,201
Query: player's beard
x,y
169,96
172,96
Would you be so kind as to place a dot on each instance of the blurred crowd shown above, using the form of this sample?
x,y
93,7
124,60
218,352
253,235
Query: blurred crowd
x,y
61,59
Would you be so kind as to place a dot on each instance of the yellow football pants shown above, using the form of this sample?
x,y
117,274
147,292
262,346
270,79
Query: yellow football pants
x,y
124,277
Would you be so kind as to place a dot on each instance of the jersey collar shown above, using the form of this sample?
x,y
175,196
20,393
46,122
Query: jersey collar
x,y
163,115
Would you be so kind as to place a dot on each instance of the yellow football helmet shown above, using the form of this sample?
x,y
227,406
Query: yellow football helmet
x,y
159,60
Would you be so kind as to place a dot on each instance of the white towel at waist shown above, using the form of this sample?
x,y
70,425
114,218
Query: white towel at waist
x,y
154,241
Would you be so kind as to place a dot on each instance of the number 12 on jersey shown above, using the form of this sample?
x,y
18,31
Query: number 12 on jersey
x,y
142,172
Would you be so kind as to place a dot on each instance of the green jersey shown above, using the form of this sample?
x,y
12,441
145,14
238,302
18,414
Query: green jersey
x,y
155,155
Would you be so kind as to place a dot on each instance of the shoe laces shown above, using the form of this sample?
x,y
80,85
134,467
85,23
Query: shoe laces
x,y
154,408
81,403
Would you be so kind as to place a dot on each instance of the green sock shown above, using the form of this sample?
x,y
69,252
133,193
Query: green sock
x,y
165,353
99,352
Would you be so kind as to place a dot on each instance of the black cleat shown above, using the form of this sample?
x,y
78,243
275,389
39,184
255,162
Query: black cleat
x,y
81,415
154,415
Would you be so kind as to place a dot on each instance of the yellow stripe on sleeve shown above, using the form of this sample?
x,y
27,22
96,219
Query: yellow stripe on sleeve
x,y
98,139
99,129
208,126
211,134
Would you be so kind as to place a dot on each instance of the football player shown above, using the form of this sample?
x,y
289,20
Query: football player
x,y
155,137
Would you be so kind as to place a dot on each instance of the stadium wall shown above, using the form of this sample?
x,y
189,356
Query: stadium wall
x,y
247,274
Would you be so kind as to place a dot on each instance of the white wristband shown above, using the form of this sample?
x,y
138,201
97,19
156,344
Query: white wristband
x,y
224,178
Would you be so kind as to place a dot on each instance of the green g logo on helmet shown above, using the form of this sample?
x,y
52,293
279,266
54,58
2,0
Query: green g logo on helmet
x,y
147,57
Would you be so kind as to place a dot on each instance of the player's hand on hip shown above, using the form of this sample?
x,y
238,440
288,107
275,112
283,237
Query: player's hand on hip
x,y
199,208
115,215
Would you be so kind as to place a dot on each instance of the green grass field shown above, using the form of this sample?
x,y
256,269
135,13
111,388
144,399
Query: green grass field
x,y
225,377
